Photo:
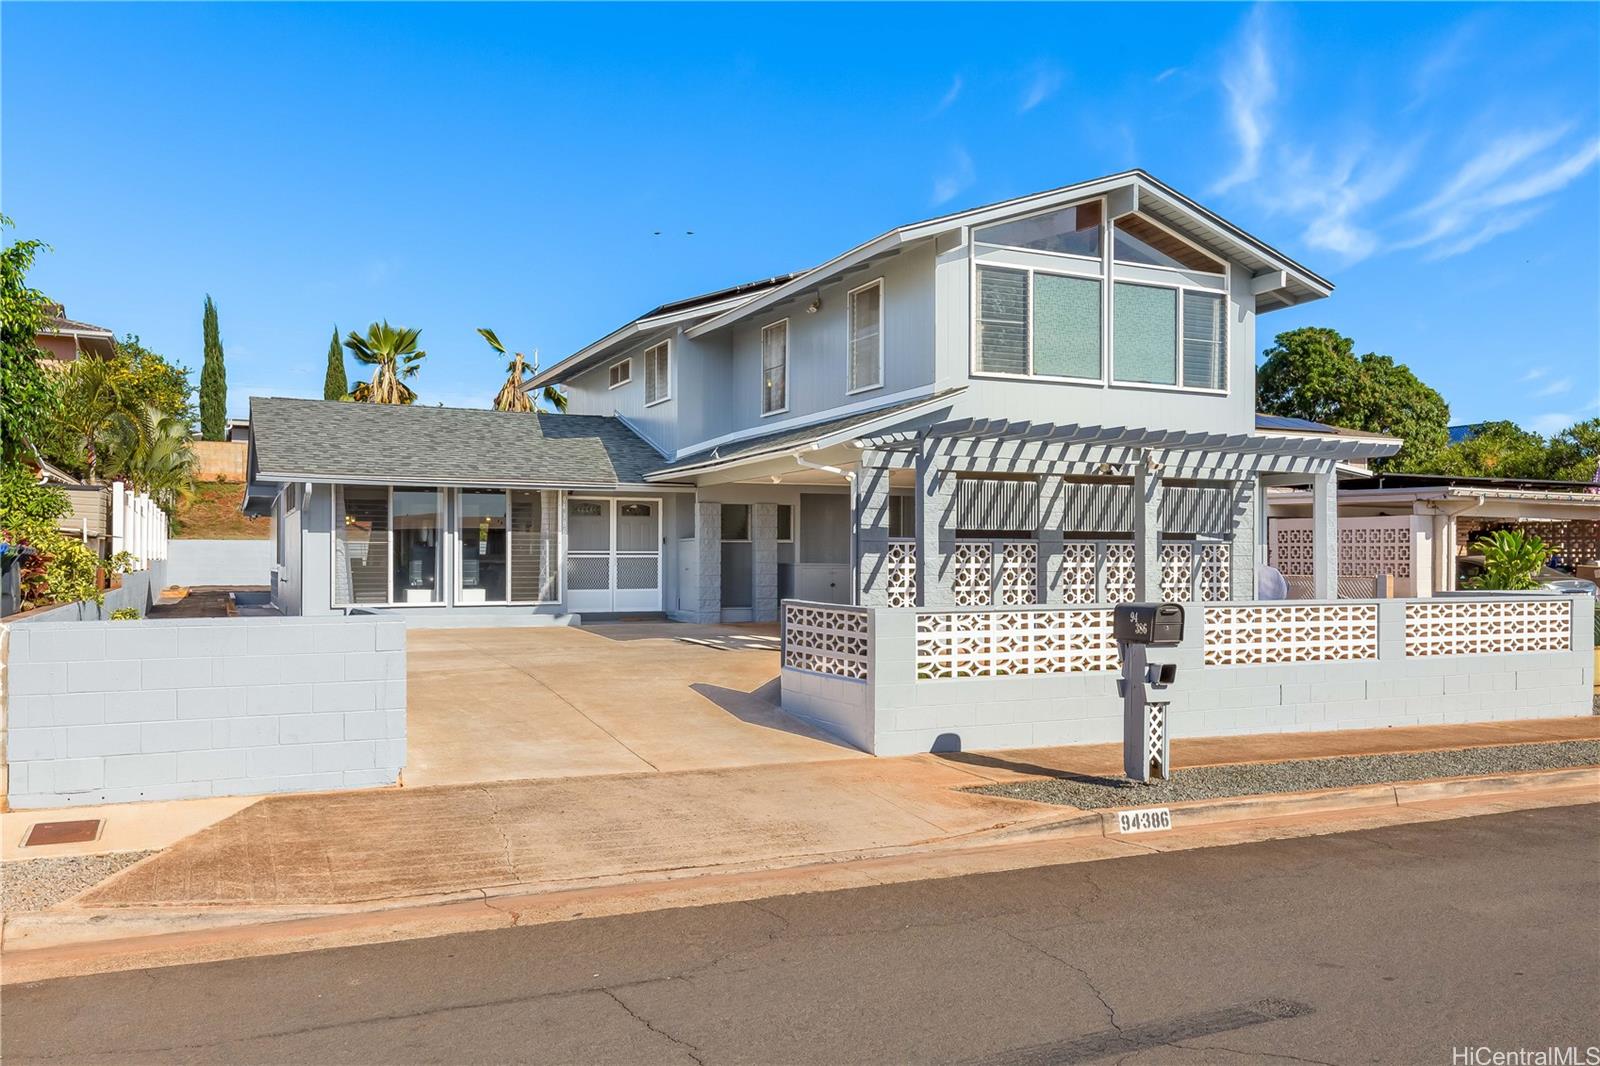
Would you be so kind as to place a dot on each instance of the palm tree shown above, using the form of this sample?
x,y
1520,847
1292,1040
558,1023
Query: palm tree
x,y
154,455
94,413
516,394
393,354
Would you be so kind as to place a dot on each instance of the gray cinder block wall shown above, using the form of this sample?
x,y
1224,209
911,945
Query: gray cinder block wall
x,y
107,712
219,562
895,713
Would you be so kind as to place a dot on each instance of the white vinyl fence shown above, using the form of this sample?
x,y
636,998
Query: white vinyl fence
x,y
138,526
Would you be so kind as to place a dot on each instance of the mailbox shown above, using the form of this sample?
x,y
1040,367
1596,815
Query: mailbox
x,y
1159,625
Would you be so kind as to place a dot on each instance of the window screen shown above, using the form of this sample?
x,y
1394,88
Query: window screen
x,y
1002,321
774,368
866,337
1145,333
1066,326
1205,341
657,374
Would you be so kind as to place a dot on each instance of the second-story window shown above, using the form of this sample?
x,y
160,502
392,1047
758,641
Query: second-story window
x,y
621,373
1036,323
866,337
775,368
657,373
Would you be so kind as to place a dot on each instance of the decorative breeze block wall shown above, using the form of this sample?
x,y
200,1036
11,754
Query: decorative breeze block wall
x,y
1487,627
826,640
900,573
952,644
1284,632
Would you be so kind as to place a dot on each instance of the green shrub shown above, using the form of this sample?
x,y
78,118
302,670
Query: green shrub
x,y
126,614
64,570
1512,560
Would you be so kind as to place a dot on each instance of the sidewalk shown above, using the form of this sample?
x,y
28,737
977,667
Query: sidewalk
x,y
446,841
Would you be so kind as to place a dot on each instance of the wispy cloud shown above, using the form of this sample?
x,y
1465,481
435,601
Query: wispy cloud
x,y
1448,55
957,177
1332,195
1552,422
1043,81
951,95
1250,87
1169,72
1554,388
1534,374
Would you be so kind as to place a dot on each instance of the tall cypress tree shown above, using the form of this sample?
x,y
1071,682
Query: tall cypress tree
x,y
213,380
334,385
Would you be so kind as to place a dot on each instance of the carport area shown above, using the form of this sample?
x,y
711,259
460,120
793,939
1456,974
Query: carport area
x,y
512,703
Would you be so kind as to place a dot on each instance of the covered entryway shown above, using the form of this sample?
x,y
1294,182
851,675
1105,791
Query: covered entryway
x,y
613,554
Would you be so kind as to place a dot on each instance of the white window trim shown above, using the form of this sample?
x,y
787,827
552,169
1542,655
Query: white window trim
x,y
626,379
1033,375
441,517
784,322
849,333
667,384
1177,371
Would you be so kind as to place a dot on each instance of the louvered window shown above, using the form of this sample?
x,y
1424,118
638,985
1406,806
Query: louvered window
x,y
775,368
1002,321
621,373
866,337
1205,341
657,374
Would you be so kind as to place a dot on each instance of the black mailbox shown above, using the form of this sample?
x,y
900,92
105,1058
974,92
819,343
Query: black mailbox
x,y
1157,624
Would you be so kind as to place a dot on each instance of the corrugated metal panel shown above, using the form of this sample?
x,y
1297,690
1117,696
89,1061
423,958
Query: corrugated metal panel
x,y
1196,509
1098,506
994,504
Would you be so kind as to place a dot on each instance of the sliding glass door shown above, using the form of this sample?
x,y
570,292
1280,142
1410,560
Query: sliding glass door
x,y
388,546
482,574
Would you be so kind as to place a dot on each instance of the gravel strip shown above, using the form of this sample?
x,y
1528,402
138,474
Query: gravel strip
x,y
34,884
1251,779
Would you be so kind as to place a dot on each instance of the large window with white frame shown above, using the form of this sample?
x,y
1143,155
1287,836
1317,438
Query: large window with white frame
x,y
775,368
1169,335
388,545
1039,324
658,373
866,337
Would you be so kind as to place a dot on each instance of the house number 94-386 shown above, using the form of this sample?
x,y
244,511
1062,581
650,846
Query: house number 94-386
x,y
1143,821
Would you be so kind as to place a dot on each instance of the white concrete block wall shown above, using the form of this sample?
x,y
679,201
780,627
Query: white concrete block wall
x,y
903,715
107,712
219,562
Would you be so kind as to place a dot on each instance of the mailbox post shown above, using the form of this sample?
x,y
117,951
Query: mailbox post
x,y
1146,749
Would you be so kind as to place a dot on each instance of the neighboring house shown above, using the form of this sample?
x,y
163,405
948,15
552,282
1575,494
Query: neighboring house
x,y
1048,400
62,340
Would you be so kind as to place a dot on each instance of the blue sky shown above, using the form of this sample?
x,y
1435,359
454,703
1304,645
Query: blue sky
x,y
509,166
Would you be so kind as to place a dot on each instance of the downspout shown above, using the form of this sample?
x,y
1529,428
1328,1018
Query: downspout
x,y
850,477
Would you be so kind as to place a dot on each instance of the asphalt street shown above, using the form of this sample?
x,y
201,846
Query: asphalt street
x,y
1391,945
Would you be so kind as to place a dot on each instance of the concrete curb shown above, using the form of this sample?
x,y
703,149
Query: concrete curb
x,y
106,939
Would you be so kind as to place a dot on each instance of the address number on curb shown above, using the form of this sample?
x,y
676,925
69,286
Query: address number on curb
x,y
1144,821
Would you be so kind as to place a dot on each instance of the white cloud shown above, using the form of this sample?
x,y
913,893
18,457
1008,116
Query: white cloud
x,y
1551,422
1451,53
1332,196
1484,231
1169,72
1554,388
1044,81
956,179
1251,88
951,95
1534,374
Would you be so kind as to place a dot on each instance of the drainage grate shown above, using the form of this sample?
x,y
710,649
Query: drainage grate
x,y
77,832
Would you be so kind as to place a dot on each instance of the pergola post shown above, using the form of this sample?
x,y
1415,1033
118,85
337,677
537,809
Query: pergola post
x,y
1147,530
1246,534
872,529
1325,535
935,494
1052,516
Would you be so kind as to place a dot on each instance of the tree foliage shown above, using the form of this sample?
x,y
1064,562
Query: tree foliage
x,y
335,386
516,394
149,379
213,378
1574,453
393,354
62,569
1314,373
1495,449
27,391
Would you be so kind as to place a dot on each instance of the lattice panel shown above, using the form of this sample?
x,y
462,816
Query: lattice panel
x,y
1177,572
1290,550
1284,632
1370,550
953,644
826,640
1487,627
588,572
1019,574
638,571
970,573
1216,573
1080,561
900,573
1119,573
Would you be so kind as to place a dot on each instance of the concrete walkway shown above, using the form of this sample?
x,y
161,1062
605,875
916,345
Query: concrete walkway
x,y
355,847
516,704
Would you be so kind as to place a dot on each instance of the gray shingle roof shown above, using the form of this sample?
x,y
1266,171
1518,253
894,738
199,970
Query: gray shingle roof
x,y
324,440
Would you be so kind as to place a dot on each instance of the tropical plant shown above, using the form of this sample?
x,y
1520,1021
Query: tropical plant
x,y
95,413
1512,560
153,454
515,394
335,386
27,392
61,569
125,614
393,354
213,379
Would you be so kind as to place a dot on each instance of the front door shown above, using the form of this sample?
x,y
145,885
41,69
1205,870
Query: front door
x,y
613,554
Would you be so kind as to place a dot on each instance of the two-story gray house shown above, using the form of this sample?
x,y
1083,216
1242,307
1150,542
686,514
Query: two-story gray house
x,y
1046,400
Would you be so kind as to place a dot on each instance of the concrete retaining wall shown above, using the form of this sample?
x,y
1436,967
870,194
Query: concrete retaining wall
x,y
220,459
139,589
895,713
105,712
219,562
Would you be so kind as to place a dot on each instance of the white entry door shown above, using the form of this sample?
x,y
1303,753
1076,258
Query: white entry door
x,y
613,554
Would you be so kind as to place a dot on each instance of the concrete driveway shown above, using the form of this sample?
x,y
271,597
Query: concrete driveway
x,y
508,704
